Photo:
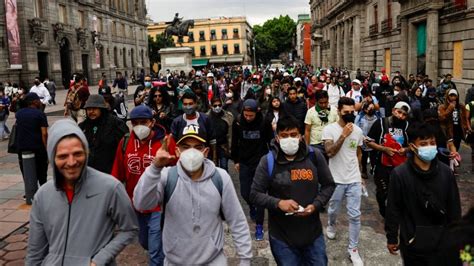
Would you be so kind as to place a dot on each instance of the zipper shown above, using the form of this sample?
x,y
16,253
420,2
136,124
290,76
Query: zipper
x,y
67,231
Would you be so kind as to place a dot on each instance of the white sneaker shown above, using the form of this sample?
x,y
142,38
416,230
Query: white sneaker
x,y
355,257
331,232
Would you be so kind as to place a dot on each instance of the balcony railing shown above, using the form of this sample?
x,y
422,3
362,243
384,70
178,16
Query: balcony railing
x,y
386,26
373,29
454,6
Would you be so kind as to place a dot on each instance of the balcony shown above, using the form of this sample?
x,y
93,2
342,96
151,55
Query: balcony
x,y
373,29
386,26
453,6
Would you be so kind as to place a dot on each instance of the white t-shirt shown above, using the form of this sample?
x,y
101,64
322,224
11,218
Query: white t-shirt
x,y
344,165
335,93
192,121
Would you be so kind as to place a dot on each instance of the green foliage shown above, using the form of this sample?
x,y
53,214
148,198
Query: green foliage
x,y
155,44
274,37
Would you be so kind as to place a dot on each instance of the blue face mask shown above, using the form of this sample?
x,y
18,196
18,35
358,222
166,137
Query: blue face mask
x,y
147,84
427,153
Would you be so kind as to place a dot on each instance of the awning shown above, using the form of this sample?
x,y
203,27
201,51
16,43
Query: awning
x,y
226,59
200,62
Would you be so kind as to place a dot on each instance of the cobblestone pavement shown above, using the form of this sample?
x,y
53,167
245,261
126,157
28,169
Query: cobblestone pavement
x,y
14,216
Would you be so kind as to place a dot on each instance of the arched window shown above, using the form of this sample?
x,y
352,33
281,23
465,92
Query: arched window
x,y
115,57
124,54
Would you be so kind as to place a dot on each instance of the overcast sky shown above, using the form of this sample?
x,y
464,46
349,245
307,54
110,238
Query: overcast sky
x,y
256,11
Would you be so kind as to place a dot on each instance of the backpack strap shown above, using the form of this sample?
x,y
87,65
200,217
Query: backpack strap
x,y
217,181
270,163
126,138
170,184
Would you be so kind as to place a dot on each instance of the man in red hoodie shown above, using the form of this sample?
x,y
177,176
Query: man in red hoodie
x,y
134,154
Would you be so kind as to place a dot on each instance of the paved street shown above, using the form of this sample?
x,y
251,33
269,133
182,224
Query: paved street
x,y
14,214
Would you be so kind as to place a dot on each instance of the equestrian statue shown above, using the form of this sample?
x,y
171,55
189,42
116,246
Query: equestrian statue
x,y
179,27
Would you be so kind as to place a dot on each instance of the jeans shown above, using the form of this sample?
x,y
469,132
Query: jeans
x,y
2,129
150,236
314,254
246,175
352,192
222,159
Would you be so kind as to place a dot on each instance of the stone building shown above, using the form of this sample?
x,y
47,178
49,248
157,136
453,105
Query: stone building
x,y
215,40
58,38
412,36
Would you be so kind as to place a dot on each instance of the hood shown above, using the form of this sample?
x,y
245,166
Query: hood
x,y
301,154
59,130
209,170
257,120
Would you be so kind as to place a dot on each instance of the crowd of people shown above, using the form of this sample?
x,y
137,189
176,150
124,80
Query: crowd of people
x,y
299,138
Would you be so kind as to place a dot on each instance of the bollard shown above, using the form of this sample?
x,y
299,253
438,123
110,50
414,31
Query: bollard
x,y
29,176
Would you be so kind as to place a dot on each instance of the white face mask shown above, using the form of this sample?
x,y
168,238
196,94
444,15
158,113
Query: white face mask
x,y
268,91
229,94
290,145
395,93
191,159
141,131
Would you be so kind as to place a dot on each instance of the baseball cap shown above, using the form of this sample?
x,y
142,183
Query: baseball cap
x,y
453,91
210,75
357,81
250,105
192,131
141,112
297,79
286,74
403,106
31,96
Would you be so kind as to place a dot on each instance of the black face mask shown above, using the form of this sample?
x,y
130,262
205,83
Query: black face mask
x,y
37,83
349,118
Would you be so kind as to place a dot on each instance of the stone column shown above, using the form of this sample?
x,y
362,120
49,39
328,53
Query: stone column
x,y
345,41
404,47
412,60
432,28
333,47
356,43
318,60
338,46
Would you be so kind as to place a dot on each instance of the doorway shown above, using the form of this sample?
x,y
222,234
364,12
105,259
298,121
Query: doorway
x,y
85,66
43,65
65,54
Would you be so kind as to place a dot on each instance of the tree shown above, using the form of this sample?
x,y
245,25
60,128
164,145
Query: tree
x,y
157,43
274,37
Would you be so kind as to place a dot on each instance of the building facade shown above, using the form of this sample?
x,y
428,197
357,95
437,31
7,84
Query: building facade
x,y
412,36
303,38
215,40
57,38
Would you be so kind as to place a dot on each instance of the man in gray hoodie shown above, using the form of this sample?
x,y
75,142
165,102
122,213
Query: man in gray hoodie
x,y
196,197
75,215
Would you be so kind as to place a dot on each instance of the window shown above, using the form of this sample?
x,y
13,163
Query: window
x,y
62,14
203,51
224,34
122,30
114,28
225,50
236,33
124,54
81,19
193,52
125,6
213,35
213,50
112,3
99,25
38,8
457,59
101,54
201,36
389,9
191,36
376,14
115,57
236,48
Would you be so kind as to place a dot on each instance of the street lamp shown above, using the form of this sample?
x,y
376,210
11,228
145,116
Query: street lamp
x,y
254,54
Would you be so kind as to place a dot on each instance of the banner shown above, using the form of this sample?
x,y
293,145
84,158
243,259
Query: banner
x,y
13,34
96,39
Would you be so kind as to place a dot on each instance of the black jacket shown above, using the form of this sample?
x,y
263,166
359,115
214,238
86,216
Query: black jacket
x,y
421,203
103,136
298,110
298,180
250,140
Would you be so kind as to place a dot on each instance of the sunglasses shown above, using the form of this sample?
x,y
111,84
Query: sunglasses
x,y
158,95
217,105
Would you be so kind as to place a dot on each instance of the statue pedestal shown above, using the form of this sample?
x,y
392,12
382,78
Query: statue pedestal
x,y
176,58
